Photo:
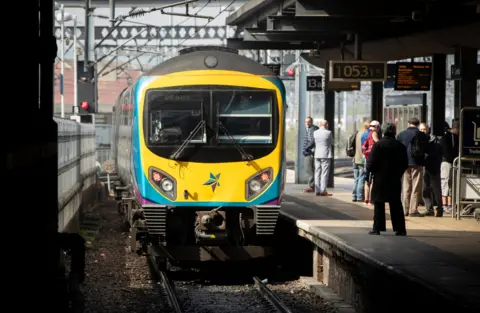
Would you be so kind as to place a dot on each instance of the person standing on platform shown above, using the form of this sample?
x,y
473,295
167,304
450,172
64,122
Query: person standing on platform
x,y
369,137
416,143
358,192
387,163
309,162
431,177
450,148
323,155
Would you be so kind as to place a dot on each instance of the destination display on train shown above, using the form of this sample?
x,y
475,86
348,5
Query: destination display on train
x,y
414,76
194,96
356,71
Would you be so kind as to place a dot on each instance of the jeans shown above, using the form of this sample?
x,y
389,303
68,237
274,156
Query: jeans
x,y
432,190
358,182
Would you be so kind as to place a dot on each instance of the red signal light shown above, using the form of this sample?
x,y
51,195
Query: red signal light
x,y
84,105
291,72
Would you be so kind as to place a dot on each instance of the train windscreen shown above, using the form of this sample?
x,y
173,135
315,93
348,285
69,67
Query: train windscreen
x,y
173,117
247,115
209,123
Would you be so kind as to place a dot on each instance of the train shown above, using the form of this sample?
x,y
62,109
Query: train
x,y
199,148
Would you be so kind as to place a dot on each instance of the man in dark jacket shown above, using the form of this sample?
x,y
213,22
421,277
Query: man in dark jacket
x,y
387,163
309,160
450,150
412,179
431,176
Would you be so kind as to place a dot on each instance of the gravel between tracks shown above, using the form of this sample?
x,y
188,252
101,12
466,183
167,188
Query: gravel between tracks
x,y
117,281
299,299
196,298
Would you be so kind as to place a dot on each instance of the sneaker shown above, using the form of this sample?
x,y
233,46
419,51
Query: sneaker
x,y
308,190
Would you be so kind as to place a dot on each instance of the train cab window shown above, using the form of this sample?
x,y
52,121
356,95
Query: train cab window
x,y
247,116
173,116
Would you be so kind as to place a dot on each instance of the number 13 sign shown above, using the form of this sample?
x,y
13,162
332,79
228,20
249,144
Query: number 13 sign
x,y
314,83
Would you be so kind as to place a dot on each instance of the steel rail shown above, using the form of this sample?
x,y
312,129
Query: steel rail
x,y
268,294
167,286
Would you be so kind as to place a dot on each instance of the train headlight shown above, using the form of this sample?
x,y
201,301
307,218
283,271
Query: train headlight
x,y
257,183
167,184
163,182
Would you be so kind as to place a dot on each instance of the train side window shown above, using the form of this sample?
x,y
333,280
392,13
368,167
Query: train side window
x,y
246,114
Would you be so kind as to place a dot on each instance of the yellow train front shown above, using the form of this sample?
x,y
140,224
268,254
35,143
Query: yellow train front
x,y
201,143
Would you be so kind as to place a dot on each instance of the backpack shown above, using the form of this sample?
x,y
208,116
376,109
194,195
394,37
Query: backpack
x,y
350,150
368,145
419,147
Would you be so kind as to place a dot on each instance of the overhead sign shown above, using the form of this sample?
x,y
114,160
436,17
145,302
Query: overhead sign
x,y
357,71
470,133
109,166
413,76
314,83
456,72
274,68
343,86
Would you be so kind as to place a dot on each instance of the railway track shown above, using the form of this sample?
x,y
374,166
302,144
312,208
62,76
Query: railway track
x,y
200,299
167,288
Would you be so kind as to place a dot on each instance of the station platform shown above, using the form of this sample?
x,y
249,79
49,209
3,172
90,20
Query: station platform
x,y
439,254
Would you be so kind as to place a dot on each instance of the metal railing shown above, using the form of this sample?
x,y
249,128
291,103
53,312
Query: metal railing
x,y
76,167
465,187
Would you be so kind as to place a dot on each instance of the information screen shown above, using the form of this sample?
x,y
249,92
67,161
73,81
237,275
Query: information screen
x,y
413,76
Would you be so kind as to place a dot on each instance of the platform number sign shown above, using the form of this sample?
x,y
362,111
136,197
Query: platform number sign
x,y
314,83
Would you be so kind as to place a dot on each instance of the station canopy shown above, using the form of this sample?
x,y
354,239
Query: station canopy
x,y
388,30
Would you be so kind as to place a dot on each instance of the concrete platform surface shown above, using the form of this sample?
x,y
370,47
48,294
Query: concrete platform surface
x,y
441,253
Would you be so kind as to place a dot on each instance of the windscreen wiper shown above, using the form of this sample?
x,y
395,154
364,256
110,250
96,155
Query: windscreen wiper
x,y
190,137
245,156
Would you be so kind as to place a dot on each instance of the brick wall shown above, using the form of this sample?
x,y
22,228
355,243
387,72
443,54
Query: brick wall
x,y
109,87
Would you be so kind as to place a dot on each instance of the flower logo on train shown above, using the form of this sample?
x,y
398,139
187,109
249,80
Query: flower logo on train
x,y
213,181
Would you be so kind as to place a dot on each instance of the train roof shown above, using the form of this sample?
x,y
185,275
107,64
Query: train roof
x,y
205,58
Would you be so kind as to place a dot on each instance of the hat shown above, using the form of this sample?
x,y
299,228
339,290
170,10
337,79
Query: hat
x,y
374,123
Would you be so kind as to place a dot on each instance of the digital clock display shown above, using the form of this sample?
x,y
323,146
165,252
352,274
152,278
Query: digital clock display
x,y
356,71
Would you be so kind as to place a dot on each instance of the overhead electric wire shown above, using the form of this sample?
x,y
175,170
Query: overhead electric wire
x,y
202,27
156,26
190,37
